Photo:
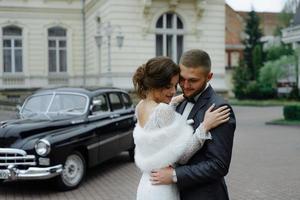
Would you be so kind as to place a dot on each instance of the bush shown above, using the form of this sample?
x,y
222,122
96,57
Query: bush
x,y
294,94
255,90
291,112
272,71
275,52
246,89
240,80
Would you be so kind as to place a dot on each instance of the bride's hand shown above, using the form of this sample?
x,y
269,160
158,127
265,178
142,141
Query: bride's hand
x,y
214,118
177,99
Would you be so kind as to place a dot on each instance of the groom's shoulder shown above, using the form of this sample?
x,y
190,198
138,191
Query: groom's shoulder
x,y
218,100
217,97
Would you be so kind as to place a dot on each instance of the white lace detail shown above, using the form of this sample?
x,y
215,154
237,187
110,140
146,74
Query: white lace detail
x,y
166,138
194,144
164,115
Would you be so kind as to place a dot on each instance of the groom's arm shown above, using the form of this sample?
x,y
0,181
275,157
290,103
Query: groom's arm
x,y
218,154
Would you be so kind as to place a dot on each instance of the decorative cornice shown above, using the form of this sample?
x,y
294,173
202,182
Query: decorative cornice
x,y
45,1
146,6
200,4
41,10
173,4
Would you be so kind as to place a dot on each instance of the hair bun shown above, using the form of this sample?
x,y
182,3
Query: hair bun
x,y
155,74
138,79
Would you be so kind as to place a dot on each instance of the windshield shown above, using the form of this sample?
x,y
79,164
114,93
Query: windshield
x,y
54,106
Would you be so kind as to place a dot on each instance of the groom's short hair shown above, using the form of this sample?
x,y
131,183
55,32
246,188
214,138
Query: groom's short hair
x,y
196,58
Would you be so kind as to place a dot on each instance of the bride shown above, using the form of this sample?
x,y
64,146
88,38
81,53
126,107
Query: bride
x,y
162,137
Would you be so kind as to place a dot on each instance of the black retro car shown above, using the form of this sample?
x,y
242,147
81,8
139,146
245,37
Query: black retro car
x,y
61,132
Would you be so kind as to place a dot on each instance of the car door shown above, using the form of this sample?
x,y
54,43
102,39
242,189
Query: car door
x,y
111,146
106,129
127,123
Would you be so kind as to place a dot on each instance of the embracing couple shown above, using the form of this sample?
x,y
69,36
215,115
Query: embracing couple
x,y
183,143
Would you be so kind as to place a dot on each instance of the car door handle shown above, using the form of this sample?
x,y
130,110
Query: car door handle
x,y
114,116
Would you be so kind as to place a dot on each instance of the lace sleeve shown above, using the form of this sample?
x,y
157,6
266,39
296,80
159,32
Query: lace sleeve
x,y
164,115
194,144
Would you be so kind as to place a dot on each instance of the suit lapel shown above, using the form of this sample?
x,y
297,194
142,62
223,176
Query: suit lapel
x,y
180,107
199,104
201,101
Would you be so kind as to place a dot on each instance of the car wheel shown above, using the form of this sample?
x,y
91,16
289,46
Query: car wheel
x,y
131,154
73,173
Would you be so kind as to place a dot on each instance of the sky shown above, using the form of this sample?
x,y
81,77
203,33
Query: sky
x,y
258,5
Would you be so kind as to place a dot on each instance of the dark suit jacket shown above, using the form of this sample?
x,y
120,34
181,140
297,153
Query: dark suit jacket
x,y
202,178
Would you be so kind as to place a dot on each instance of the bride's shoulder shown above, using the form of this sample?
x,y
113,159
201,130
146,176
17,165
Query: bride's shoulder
x,y
165,109
164,106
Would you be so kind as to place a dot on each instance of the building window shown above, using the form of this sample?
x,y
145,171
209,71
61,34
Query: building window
x,y
169,36
57,49
12,49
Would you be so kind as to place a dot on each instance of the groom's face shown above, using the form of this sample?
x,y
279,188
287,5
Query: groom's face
x,y
193,79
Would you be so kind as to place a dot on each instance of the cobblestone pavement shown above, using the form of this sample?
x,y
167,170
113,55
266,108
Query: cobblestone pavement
x,y
266,158
265,166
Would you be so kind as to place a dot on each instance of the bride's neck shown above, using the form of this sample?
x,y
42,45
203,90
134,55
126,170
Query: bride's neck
x,y
150,98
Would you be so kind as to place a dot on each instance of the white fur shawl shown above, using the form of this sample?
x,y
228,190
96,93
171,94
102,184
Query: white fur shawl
x,y
162,146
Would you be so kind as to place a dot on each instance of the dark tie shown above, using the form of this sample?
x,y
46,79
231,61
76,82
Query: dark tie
x,y
190,99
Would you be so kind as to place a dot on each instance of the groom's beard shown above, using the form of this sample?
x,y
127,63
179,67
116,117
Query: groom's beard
x,y
194,94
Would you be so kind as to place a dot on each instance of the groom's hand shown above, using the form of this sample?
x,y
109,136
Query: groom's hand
x,y
162,176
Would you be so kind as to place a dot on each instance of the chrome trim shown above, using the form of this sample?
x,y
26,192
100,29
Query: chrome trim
x,y
32,173
14,158
11,150
10,156
47,143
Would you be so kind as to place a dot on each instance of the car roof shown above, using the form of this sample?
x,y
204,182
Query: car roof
x,y
87,91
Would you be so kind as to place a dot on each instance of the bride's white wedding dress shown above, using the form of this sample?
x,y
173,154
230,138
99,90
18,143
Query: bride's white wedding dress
x,y
165,139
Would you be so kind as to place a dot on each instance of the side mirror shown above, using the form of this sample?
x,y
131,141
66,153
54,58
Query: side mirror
x,y
95,104
19,108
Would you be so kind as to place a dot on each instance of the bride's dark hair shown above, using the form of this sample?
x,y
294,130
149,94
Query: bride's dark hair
x,y
156,73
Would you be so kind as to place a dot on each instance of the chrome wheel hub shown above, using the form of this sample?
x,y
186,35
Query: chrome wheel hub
x,y
73,170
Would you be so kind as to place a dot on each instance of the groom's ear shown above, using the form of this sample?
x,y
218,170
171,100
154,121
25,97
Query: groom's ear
x,y
209,76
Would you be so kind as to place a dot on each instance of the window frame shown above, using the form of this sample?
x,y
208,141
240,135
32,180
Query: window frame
x,y
12,49
110,102
57,49
174,32
123,96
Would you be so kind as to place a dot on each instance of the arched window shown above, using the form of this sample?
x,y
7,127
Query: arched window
x,y
169,36
57,49
12,49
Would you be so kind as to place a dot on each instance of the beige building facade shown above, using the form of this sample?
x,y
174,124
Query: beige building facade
x,y
50,43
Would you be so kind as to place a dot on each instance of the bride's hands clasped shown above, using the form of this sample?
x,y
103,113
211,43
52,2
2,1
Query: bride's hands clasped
x,y
214,118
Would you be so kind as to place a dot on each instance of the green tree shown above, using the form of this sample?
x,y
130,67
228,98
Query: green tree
x,y
253,35
272,71
257,60
240,80
276,52
286,15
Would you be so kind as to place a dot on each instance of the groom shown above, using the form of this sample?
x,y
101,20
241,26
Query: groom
x,y
202,177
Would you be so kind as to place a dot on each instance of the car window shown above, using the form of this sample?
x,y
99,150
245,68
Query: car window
x,y
68,102
115,101
38,104
100,104
126,100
